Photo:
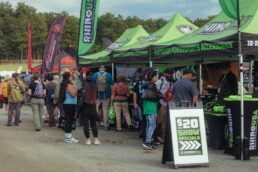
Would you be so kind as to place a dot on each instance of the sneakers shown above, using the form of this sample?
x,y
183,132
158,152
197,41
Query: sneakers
x,y
97,141
148,146
88,142
71,140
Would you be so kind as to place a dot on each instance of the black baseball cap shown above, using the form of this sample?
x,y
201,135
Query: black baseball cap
x,y
188,71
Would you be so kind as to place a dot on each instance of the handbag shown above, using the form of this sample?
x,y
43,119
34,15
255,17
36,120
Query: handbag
x,y
168,96
111,115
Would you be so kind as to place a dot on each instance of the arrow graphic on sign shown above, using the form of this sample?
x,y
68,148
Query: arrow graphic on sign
x,y
189,145
183,145
198,145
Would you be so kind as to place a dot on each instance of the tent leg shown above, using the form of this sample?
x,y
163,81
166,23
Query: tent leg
x,y
200,78
113,71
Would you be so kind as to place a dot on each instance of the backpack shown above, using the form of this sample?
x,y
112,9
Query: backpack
x,y
101,82
39,91
51,94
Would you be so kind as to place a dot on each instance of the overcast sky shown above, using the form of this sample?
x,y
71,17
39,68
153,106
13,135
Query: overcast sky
x,y
141,8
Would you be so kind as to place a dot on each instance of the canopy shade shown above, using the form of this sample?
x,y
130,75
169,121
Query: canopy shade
x,y
177,27
217,38
129,37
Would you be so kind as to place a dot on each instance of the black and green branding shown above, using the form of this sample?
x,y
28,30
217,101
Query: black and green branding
x,y
230,129
200,47
253,131
189,136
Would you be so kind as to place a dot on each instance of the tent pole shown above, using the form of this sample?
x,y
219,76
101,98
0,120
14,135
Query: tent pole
x,y
241,77
113,70
200,78
150,58
113,67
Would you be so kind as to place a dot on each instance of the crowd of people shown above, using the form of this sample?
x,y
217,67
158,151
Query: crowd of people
x,y
84,97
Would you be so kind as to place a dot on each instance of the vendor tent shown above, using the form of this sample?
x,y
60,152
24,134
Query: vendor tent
x,y
129,37
216,41
177,27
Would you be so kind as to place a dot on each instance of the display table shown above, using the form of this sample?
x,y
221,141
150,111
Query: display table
x,y
234,123
215,127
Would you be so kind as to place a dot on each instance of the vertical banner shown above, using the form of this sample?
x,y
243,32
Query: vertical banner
x,y
29,62
229,7
88,25
52,47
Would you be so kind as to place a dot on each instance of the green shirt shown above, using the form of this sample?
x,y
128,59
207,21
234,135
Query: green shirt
x,y
149,107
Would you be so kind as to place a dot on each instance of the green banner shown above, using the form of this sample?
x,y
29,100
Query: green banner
x,y
88,25
229,7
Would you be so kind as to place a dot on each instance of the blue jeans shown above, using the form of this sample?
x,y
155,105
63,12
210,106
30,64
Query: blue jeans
x,y
150,126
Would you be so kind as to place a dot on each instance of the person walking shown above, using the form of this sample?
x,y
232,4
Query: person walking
x,y
119,98
89,114
68,97
185,92
37,91
150,98
50,96
15,92
103,82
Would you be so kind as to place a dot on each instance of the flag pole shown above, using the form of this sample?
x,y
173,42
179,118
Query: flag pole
x,y
241,77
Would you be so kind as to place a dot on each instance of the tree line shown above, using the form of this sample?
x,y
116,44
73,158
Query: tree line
x,y
13,29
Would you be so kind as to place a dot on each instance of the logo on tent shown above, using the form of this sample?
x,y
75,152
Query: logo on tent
x,y
117,45
185,29
149,39
217,27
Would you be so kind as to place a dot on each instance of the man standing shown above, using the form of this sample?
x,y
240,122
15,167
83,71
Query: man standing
x,y
165,87
50,96
185,92
15,92
228,83
103,81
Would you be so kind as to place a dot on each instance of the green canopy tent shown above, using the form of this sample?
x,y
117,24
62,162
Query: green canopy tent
x,y
216,41
129,37
177,27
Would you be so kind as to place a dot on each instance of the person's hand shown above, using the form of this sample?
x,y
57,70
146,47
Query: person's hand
x,y
135,105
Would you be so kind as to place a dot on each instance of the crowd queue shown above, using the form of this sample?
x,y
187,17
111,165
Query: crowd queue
x,y
84,97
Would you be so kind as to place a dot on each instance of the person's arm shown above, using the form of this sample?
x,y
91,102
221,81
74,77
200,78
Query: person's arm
x,y
158,85
195,94
72,90
112,95
135,103
29,90
195,99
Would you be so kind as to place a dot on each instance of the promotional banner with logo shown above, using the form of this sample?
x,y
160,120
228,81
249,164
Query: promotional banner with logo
x,y
250,123
52,47
88,25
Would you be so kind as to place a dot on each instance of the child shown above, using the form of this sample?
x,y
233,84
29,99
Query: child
x,y
150,98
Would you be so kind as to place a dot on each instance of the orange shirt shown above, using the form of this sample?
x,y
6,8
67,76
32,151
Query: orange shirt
x,y
3,87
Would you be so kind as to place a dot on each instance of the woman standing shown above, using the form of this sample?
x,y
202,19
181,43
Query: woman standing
x,y
119,98
37,91
89,111
68,96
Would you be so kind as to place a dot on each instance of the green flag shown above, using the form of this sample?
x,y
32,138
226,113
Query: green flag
x,y
88,25
229,7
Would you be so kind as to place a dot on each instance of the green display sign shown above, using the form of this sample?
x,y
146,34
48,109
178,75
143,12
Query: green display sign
x,y
189,136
